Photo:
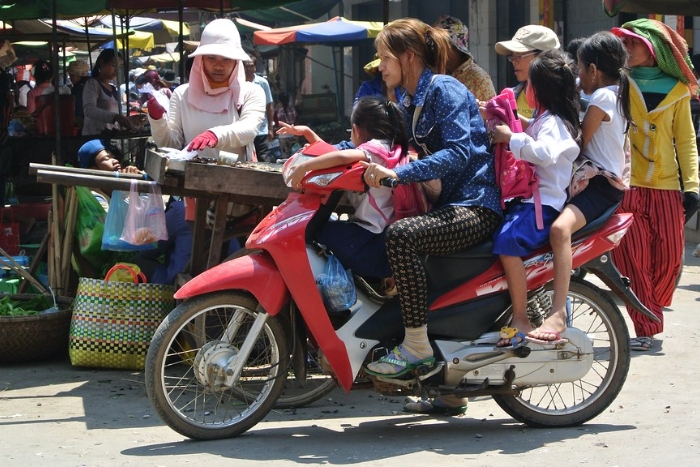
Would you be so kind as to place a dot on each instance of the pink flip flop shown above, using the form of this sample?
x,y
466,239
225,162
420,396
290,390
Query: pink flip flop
x,y
557,340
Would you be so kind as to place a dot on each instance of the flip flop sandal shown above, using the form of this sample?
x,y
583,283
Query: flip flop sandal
x,y
557,339
641,344
400,363
430,408
514,343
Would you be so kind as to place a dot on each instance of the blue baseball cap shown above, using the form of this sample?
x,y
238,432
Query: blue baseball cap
x,y
88,151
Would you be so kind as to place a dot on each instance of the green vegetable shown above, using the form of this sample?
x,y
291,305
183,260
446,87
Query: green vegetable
x,y
34,306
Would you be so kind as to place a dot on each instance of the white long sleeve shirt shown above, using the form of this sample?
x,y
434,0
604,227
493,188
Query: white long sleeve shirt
x,y
548,145
234,131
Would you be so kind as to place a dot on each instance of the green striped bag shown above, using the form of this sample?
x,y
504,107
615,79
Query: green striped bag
x,y
113,322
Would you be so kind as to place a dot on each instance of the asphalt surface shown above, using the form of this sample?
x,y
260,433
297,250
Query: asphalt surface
x,y
54,414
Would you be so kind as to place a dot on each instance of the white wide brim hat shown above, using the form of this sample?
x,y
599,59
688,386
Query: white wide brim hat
x,y
221,37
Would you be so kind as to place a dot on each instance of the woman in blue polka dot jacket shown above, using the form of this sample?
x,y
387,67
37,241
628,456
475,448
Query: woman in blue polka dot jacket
x,y
447,131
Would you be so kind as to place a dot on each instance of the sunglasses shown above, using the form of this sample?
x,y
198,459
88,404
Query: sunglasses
x,y
514,58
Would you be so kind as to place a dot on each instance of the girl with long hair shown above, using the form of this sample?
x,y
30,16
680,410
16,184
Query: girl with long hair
x,y
551,144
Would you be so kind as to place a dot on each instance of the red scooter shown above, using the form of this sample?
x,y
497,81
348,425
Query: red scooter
x,y
219,361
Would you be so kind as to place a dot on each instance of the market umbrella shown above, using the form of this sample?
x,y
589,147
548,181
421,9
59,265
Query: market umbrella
x,y
137,39
38,9
336,31
163,30
165,57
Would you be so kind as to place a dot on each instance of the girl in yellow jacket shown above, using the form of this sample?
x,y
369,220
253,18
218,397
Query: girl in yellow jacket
x,y
664,180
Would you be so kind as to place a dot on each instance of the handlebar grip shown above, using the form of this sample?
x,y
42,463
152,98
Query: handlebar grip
x,y
388,181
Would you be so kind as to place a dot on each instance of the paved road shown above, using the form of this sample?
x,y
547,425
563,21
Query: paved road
x,y
53,414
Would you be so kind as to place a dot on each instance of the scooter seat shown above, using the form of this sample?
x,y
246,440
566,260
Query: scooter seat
x,y
595,224
481,250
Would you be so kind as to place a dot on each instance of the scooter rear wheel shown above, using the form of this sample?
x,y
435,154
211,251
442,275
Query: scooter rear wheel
x,y
182,378
571,404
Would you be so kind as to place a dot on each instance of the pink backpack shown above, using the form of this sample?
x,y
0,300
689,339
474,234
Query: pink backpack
x,y
409,200
516,178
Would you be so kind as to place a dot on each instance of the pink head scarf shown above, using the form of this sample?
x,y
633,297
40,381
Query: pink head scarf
x,y
214,100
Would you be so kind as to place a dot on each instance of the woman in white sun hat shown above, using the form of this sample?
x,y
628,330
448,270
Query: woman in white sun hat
x,y
527,43
218,112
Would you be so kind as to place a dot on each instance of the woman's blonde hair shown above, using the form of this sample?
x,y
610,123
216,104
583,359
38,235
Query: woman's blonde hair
x,y
430,45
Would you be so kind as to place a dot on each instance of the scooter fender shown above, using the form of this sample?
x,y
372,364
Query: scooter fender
x,y
256,273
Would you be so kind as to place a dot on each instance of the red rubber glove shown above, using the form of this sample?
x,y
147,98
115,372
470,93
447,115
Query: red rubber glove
x,y
155,110
203,140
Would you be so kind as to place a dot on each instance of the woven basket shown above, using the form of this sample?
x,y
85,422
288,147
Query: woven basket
x,y
35,337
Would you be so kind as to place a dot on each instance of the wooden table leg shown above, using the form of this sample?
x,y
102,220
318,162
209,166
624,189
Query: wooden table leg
x,y
217,234
198,260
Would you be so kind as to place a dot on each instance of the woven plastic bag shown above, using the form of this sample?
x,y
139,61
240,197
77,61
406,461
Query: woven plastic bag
x,y
113,321
337,286
145,218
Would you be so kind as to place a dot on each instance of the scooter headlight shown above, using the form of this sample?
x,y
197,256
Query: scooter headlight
x,y
324,179
292,162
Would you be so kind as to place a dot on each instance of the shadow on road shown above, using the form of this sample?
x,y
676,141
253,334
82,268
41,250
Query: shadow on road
x,y
378,439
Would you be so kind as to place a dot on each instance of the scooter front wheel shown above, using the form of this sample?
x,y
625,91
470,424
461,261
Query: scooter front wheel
x,y
189,362
571,404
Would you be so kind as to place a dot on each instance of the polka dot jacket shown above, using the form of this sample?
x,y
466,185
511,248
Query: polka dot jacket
x,y
451,129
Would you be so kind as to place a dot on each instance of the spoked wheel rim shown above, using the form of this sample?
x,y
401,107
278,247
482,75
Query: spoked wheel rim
x,y
199,399
563,398
572,403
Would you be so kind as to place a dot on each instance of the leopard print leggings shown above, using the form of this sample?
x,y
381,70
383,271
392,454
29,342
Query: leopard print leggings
x,y
442,231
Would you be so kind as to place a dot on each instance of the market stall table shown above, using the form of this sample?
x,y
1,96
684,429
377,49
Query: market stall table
x,y
21,151
252,183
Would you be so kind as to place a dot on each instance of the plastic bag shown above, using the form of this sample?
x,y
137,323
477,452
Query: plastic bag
x,y
114,225
89,228
337,286
145,217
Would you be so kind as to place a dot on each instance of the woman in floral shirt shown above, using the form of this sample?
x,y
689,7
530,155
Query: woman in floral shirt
x,y
460,62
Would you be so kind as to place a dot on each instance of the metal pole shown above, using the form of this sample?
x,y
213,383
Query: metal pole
x,y
53,48
87,39
181,43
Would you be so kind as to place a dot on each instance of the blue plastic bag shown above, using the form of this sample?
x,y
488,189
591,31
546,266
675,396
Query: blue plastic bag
x,y
114,225
337,286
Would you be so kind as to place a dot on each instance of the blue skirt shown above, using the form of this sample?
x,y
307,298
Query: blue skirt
x,y
518,235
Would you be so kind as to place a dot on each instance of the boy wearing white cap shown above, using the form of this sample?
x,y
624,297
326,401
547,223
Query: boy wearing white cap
x,y
522,49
